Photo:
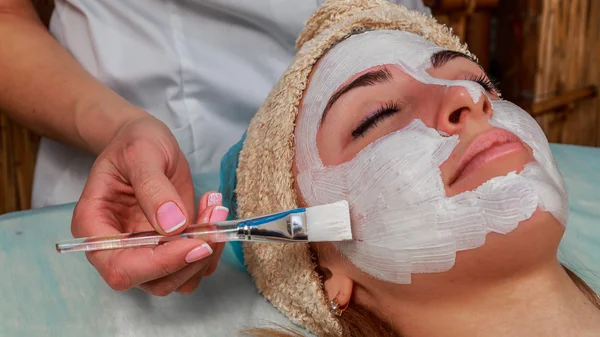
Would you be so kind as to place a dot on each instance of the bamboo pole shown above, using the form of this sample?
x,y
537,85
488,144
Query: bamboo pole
x,y
8,186
29,155
3,163
543,42
22,175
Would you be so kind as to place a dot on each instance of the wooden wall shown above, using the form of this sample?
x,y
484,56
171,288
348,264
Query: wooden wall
x,y
568,59
18,150
546,57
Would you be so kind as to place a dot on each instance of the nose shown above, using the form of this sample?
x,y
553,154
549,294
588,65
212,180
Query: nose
x,y
457,109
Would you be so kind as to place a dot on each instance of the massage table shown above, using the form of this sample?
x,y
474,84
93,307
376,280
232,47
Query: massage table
x,y
43,293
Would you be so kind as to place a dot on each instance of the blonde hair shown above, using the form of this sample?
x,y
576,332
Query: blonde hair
x,y
360,321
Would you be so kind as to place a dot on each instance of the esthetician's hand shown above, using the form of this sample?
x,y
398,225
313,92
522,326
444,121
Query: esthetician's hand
x,y
141,182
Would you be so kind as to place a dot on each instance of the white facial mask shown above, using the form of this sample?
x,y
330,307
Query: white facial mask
x,y
402,220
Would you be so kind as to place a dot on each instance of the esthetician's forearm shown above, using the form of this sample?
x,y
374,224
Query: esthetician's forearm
x,y
44,88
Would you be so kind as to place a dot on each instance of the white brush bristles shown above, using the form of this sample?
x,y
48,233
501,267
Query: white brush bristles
x,y
329,222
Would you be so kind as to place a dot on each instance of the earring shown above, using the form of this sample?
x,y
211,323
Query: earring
x,y
334,306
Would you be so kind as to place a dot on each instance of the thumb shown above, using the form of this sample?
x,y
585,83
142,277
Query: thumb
x,y
159,200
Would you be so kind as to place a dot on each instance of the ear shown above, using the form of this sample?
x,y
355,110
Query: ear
x,y
339,285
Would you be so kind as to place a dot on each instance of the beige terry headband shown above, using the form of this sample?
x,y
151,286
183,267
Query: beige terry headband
x,y
285,273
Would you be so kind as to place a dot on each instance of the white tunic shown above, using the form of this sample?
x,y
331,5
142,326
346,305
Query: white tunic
x,y
203,67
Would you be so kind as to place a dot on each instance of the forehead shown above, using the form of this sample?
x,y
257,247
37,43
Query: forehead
x,y
366,50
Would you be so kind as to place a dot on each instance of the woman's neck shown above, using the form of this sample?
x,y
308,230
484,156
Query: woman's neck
x,y
545,302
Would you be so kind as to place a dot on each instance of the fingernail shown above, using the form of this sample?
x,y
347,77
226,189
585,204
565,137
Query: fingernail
x,y
170,217
219,214
198,253
215,199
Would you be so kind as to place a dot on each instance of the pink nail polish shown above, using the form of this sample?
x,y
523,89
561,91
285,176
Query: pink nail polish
x,y
170,217
215,199
219,214
198,253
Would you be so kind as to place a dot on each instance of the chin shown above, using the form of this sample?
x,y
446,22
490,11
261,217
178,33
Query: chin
x,y
535,241
545,220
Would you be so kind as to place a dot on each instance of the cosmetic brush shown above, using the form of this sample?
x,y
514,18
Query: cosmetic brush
x,y
329,222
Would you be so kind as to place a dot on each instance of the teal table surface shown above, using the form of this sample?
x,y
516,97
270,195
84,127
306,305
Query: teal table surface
x,y
43,293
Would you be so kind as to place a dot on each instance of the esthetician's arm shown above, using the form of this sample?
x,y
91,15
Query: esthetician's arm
x,y
44,88
140,181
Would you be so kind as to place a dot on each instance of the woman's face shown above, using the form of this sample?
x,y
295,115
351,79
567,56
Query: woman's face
x,y
431,161
384,99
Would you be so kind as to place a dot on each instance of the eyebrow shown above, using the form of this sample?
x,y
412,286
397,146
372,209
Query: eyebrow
x,y
368,79
440,58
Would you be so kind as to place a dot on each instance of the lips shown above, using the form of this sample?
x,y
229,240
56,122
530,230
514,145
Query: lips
x,y
485,148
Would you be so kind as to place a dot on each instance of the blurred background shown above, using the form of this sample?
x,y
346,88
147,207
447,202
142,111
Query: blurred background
x,y
545,54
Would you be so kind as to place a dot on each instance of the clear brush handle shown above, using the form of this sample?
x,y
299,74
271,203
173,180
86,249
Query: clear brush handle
x,y
219,232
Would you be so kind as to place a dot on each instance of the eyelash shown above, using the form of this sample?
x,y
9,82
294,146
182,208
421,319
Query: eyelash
x,y
490,84
387,110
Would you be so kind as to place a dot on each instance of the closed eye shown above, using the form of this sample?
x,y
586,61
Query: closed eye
x,y
387,110
490,84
